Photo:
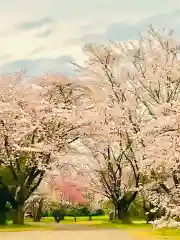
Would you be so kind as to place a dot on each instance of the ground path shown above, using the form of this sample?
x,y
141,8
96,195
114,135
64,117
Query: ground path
x,y
67,233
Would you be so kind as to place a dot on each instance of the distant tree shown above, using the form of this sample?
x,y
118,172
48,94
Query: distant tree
x,y
36,205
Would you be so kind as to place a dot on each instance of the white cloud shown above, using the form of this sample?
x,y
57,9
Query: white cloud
x,y
24,35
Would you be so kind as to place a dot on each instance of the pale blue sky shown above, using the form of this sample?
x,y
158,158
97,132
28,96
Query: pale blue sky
x,y
42,35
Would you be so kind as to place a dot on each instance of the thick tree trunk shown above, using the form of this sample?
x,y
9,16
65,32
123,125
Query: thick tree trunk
x,y
2,217
122,209
18,215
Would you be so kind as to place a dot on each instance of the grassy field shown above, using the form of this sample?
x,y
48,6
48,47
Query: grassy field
x,y
139,230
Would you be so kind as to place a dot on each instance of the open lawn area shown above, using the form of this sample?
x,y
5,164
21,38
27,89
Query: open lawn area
x,y
138,230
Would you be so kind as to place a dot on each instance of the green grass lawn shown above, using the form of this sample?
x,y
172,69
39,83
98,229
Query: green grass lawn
x,y
80,220
139,230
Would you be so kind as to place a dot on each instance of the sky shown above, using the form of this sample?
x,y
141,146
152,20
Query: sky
x,y
45,35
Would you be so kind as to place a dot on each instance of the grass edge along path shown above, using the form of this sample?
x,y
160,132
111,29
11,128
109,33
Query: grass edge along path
x,y
138,230
142,231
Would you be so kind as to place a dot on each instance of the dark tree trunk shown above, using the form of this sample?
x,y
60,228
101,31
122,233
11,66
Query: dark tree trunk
x,y
90,217
18,215
38,211
2,217
38,217
122,207
5,196
123,212
112,216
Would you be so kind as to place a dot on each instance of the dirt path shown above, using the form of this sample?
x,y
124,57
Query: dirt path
x,y
103,234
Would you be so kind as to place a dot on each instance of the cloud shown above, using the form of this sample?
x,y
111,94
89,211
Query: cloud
x,y
40,66
123,31
34,24
37,51
93,38
74,23
44,33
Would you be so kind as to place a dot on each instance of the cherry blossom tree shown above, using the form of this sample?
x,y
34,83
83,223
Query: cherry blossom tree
x,y
156,83
34,206
38,121
136,91
68,191
115,124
